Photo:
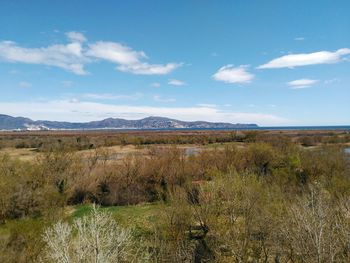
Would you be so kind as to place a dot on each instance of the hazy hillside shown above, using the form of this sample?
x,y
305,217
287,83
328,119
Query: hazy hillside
x,y
13,123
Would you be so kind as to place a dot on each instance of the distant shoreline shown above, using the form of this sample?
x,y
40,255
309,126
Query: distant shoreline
x,y
260,128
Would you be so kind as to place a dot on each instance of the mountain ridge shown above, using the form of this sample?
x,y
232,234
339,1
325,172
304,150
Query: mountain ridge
x,y
8,122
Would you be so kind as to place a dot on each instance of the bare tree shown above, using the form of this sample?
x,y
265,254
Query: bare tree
x,y
58,239
94,238
312,229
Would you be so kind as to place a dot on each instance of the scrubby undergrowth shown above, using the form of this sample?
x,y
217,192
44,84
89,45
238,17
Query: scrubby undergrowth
x,y
270,201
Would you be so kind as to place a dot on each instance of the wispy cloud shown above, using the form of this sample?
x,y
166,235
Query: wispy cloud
x,y
25,84
66,110
155,85
148,69
331,81
176,82
77,53
297,60
302,83
108,96
161,99
299,38
76,36
208,105
14,72
231,74
67,83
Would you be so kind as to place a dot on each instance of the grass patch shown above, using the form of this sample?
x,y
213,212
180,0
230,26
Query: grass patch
x,y
141,217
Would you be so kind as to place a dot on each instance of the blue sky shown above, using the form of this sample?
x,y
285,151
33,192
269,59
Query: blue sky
x,y
266,62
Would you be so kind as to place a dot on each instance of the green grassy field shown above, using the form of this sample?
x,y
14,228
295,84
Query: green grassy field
x,y
140,218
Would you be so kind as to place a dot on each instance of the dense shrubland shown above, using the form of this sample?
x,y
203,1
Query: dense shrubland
x,y
267,201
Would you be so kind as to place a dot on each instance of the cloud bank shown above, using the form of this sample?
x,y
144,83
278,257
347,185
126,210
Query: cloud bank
x,y
81,111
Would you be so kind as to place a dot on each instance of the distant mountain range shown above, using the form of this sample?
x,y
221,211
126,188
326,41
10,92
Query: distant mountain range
x,y
21,123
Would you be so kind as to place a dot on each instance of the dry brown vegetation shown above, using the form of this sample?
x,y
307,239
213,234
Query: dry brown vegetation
x,y
259,197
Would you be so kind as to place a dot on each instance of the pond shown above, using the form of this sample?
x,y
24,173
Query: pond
x,y
347,150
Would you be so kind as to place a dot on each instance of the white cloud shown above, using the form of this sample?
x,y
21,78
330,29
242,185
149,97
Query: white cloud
x,y
24,84
115,52
127,59
296,60
69,57
299,38
302,83
161,99
149,69
176,82
76,54
108,96
81,111
231,74
76,36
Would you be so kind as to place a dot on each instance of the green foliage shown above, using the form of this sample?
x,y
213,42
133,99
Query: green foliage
x,y
21,240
